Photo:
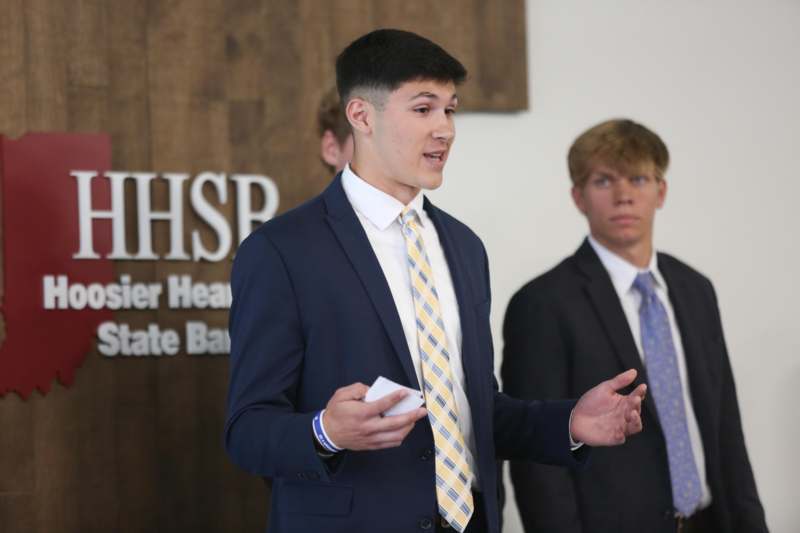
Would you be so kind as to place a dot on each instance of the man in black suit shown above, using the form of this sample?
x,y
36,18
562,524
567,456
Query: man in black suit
x,y
617,304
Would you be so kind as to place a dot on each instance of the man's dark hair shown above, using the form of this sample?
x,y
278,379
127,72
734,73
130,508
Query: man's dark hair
x,y
385,59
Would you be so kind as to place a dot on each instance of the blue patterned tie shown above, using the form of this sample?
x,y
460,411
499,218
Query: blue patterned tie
x,y
665,385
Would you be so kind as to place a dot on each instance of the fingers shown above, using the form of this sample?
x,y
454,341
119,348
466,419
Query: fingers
x,y
384,404
390,431
633,423
356,391
632,407
394,422
635,426
620,381
634,401
358,425
633,414
389,439
640,391
614,437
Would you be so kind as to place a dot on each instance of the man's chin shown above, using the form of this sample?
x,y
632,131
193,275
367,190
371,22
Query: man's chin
x,y
628,241
431,181
618,239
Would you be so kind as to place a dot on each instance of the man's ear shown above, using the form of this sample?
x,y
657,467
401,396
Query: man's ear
x,y
577,197
662,192
329,148
360,113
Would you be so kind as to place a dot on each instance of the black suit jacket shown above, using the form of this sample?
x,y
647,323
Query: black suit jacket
x,y
565,331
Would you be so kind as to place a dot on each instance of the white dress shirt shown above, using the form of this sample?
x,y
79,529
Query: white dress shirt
x,y
622,275
379,214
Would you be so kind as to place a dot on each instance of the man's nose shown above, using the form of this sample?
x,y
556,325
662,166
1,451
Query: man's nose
x,y
623,191
445,129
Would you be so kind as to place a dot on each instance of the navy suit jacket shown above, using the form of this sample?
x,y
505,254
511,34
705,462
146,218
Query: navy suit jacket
x,y
312,312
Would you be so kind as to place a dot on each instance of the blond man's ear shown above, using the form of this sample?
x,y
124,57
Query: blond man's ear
x,y
577,197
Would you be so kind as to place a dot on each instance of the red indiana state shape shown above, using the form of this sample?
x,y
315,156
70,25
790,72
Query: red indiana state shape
x,y
40,236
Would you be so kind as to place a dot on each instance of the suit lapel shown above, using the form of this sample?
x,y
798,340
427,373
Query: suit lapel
x,y
608,308
353,239
470,359
689,323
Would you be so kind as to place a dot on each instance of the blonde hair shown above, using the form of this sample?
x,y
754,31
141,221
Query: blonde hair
x,y
621,144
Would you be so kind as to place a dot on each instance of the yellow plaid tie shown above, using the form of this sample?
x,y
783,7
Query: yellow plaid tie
x,y
453,474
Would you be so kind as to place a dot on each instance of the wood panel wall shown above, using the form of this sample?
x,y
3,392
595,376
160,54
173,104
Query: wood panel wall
x,y
187,85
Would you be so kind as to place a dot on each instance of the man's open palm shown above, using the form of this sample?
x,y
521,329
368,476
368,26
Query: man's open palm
x,y
604,417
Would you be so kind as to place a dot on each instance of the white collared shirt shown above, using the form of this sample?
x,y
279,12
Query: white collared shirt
x,y
379,215
622,275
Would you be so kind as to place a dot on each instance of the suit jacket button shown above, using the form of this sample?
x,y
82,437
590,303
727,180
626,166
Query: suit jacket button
x,y
301,475
425,523
426,454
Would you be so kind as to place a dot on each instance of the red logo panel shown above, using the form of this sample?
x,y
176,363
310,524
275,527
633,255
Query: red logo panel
x,y
40,235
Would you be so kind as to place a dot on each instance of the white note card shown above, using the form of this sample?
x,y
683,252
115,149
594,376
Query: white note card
x,y
383,386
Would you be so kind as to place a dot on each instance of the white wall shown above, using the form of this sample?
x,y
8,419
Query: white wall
x,y
720,82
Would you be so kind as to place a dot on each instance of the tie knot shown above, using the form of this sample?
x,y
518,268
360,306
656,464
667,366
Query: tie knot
x,y
408,215
645,284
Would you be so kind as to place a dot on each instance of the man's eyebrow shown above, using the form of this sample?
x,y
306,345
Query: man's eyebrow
x,y
602,174
428,94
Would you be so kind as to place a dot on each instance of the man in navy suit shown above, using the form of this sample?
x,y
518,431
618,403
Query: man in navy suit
x,y
617,304
370,279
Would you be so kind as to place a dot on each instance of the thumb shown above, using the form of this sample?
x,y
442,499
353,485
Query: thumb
x,y
621,381
386,402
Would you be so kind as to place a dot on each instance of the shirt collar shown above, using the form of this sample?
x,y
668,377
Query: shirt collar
x,y
622,272
379,208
